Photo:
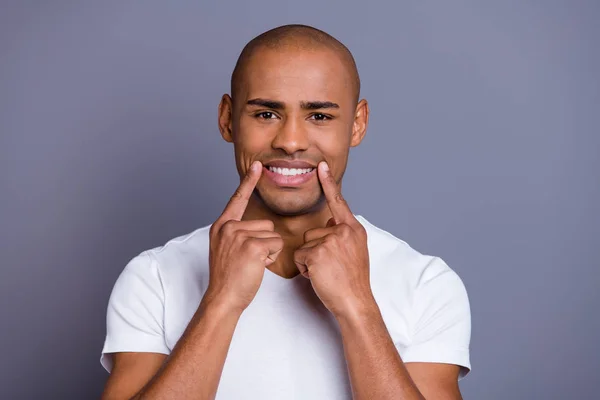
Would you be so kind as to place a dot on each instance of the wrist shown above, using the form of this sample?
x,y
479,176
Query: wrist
x,y
358,312
220,304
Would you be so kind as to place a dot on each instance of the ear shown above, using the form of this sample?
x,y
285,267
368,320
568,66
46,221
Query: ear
x,y
361,121
226,118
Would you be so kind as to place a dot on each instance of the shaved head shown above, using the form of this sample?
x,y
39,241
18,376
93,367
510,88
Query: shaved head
x,y
295,37
294,102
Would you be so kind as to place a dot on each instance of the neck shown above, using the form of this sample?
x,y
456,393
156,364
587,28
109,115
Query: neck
x,y
291,228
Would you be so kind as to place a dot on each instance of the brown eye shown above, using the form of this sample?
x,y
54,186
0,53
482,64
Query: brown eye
x,y
265,115
320,117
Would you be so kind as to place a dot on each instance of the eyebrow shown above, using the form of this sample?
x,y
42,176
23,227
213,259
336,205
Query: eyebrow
x,y
306,105
317,105
275,105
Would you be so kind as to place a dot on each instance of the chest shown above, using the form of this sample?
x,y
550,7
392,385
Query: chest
x,y
286,345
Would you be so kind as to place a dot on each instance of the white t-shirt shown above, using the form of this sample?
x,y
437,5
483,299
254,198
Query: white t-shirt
x,y
287,345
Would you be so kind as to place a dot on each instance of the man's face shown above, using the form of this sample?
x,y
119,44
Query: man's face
x,y
294,109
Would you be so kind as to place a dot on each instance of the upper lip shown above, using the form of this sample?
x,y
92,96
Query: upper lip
x,y
288,164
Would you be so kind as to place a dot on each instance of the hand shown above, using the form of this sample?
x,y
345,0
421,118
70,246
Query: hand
x,y
240,250
336,258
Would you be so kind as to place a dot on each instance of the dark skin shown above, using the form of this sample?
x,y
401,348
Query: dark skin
x,y
295,104
291,130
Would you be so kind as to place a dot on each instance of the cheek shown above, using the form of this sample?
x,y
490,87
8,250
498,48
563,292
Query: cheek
x,y
332,145
250,143
253,137
333,148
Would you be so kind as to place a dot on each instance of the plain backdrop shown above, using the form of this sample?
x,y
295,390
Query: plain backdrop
x,y
482,149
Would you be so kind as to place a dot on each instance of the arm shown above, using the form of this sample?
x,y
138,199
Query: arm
x,y
130,372
336,260
376,370
239,253
192,370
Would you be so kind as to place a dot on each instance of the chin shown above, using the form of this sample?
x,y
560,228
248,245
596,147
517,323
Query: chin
x,y
292,204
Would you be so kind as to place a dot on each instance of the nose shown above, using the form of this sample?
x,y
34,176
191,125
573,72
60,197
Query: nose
x,y
291,137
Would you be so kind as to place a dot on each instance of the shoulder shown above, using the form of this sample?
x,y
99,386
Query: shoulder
x,y
183,258
423,301
394,254
146,298
395,262
184,251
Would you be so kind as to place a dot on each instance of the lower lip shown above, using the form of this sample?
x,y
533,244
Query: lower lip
x,y
288,180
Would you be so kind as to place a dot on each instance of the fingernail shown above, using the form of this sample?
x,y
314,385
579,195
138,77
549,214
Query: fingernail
x,y
255,166
325,166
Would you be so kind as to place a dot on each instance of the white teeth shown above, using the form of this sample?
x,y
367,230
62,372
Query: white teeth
x,y
290,171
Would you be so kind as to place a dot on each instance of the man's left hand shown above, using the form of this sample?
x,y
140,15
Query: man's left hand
x,y
336,258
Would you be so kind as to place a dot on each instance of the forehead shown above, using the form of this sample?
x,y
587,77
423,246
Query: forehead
x,y
294,75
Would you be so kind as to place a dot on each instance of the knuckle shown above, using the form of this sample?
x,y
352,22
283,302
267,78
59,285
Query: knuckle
x,y
309,260
339,198
228,227
238,238
307,236
252,246
269,225
345,230
300,255
246,246
319,251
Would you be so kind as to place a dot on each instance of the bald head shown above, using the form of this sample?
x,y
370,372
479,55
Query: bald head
x,y
298,38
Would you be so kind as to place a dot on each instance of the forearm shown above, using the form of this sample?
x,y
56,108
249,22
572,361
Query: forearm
x,y
193,369
374,365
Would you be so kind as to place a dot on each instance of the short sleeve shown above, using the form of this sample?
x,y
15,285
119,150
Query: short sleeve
x,y
441,319
134,319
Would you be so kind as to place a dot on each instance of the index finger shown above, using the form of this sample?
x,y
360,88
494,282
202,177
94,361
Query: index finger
x,y
234,210
337,205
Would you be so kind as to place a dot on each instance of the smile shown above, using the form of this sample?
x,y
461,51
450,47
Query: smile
x,y
290,171
285,177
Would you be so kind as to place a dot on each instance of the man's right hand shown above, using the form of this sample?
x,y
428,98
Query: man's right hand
x,y
239,253
240,250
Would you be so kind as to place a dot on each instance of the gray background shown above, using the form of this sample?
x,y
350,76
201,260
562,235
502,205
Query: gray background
x,y
482,149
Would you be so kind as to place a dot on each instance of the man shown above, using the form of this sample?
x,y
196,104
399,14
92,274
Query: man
x,y
288,294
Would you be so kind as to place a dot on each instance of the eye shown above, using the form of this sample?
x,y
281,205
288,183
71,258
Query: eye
x,y
265,115
320,117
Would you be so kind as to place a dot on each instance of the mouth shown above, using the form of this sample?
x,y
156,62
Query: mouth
x,y
289,171
286,175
